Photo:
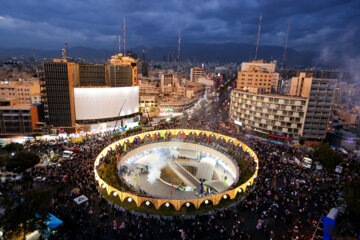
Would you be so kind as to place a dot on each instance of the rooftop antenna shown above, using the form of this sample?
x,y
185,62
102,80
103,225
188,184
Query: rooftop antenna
x,y
286,42
179,50
64,51
119,44
124,38
258,38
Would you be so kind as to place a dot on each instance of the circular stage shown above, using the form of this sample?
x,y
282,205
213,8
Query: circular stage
x,y
176,168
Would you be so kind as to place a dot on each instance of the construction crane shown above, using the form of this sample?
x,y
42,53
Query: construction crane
x,y
118,116
258,38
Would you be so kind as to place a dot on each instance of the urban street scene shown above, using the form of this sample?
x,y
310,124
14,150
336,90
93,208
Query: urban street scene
x,y
180,120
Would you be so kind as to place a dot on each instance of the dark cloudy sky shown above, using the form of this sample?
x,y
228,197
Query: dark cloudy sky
x,y
47,24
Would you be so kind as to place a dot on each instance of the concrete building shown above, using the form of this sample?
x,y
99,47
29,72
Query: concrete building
x,y
264,66
90,74
18,90
167,83
84,93
281,116
259,78
17,119
58,94
196,73
149,105
123,71
320,93
175,106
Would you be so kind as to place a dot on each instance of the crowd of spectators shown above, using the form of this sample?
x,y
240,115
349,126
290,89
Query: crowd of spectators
x,y
287,200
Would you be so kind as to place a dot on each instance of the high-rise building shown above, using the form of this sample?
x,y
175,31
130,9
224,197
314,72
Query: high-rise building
x,y
320,93
87,93
280,116
260,78
196,73
304,114
59,87
123,71
90,74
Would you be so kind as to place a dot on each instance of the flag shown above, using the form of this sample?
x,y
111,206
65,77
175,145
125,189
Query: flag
x,y
117,158
124,147
136,140
201,188
153,137
162,135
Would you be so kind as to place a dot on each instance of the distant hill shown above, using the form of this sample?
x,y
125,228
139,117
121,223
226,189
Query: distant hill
x,y
226,52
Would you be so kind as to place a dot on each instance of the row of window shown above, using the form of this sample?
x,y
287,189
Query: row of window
x,y
270,99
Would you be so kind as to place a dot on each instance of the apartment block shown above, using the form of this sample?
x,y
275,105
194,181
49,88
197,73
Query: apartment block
x,y
280,116
196,73
259,78
320,93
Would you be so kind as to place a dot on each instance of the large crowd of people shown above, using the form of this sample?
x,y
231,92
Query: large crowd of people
x,y
287,201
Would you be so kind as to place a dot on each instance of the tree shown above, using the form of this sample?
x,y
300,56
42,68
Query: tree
x,y
13,147
23,212
328,157
352,197
22,161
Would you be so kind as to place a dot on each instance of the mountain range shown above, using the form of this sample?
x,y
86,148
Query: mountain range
x,y
223,53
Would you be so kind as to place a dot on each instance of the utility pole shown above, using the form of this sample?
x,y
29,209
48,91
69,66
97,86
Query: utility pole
x,y
258,38
119,44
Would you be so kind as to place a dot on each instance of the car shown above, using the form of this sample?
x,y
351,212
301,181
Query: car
x,y
39,179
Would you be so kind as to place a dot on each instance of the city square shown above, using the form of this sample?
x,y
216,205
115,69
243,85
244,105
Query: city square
x,y
184,120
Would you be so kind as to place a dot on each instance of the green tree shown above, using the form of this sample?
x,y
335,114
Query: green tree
x,y
22,161
24,212
328,157
352,197
13,147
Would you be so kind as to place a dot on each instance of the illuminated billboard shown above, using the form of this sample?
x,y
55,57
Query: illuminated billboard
x,y
104,103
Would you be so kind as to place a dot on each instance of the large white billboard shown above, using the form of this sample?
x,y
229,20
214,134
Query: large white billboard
x,y
102,103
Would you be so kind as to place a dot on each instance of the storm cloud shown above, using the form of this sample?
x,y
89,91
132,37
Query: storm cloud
x,y
92,23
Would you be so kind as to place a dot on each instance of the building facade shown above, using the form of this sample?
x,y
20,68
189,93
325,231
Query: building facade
x,y
62,76
264,66
280,116
17,119
258,78
59,93
320,93
196,73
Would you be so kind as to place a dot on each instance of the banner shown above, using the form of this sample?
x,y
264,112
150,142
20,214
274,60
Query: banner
x,y
81,199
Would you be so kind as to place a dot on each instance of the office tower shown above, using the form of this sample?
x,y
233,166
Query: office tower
x,y
90,74
320,93
85,93
123,71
